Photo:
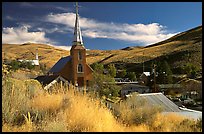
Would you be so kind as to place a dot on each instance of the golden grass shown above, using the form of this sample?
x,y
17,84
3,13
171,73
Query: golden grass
x,y
45,102
74,111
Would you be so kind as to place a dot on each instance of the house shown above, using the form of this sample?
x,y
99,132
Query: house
x,y
74,68
144,78
170,88
166,105
193,88
130,88
33,62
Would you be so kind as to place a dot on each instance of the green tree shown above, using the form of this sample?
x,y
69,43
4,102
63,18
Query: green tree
x,y
97,67
164,73
191,70
104,85
27,65
112,70
132,76
14,65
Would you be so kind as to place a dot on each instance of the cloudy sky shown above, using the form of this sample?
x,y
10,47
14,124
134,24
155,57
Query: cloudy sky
x,y
104,25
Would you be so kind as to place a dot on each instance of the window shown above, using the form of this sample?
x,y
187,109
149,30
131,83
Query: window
x,y
79,55
80,68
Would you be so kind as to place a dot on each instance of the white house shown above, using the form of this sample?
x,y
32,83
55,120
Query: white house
x,y
33,62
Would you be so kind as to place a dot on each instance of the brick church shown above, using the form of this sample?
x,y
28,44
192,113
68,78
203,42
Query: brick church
x,y
73,68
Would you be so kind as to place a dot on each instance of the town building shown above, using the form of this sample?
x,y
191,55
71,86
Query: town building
x,y
73,68
33,62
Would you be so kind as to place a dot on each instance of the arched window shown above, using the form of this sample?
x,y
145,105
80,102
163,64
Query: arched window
x,y
80,55
80,68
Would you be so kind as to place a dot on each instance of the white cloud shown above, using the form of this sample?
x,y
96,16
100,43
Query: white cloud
x,y
19,35
62,47
135,33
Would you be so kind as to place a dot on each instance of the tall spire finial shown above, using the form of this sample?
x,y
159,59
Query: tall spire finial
x,y
76,7
77,31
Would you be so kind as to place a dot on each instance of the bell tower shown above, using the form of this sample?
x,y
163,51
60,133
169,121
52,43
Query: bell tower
x,y
78,56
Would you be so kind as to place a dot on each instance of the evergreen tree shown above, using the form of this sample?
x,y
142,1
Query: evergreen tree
x,y
132,76
164,73
112,70
104,85
97,67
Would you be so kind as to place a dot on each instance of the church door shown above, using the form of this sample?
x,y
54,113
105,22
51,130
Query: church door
x,y
80,81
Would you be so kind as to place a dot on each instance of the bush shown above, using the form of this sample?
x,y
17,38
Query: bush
x,y
104,85
16,96
30,109
15,65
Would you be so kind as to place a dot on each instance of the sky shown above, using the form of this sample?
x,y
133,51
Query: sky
x,y
104,25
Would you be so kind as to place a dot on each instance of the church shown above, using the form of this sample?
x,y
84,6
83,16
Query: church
x,y
73,68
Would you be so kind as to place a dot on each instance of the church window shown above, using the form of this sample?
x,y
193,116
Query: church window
x,y
80,55
80,68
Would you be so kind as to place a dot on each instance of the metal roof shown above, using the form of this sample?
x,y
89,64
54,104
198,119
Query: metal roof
x,y
60,64
158,99
189,113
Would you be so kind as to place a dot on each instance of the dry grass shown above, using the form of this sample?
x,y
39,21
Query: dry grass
x,y
73,111
128,56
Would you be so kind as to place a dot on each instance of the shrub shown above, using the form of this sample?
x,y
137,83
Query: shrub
x,y
104,85
70,110
16,97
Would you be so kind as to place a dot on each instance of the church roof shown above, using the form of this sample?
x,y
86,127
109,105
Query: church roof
x,y
60,64
46,79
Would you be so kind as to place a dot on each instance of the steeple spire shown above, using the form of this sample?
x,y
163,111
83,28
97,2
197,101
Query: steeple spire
x,y
77,31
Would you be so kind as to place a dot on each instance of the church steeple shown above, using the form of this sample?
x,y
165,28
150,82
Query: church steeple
x,y
77,31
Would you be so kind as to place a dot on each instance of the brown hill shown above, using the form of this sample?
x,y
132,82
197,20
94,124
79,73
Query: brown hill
x,y
177,50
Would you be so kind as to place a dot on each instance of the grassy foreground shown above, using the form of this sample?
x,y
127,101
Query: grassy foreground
x,y
26,107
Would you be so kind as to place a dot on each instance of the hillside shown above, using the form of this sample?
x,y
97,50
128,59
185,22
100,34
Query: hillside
x,y
177,50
